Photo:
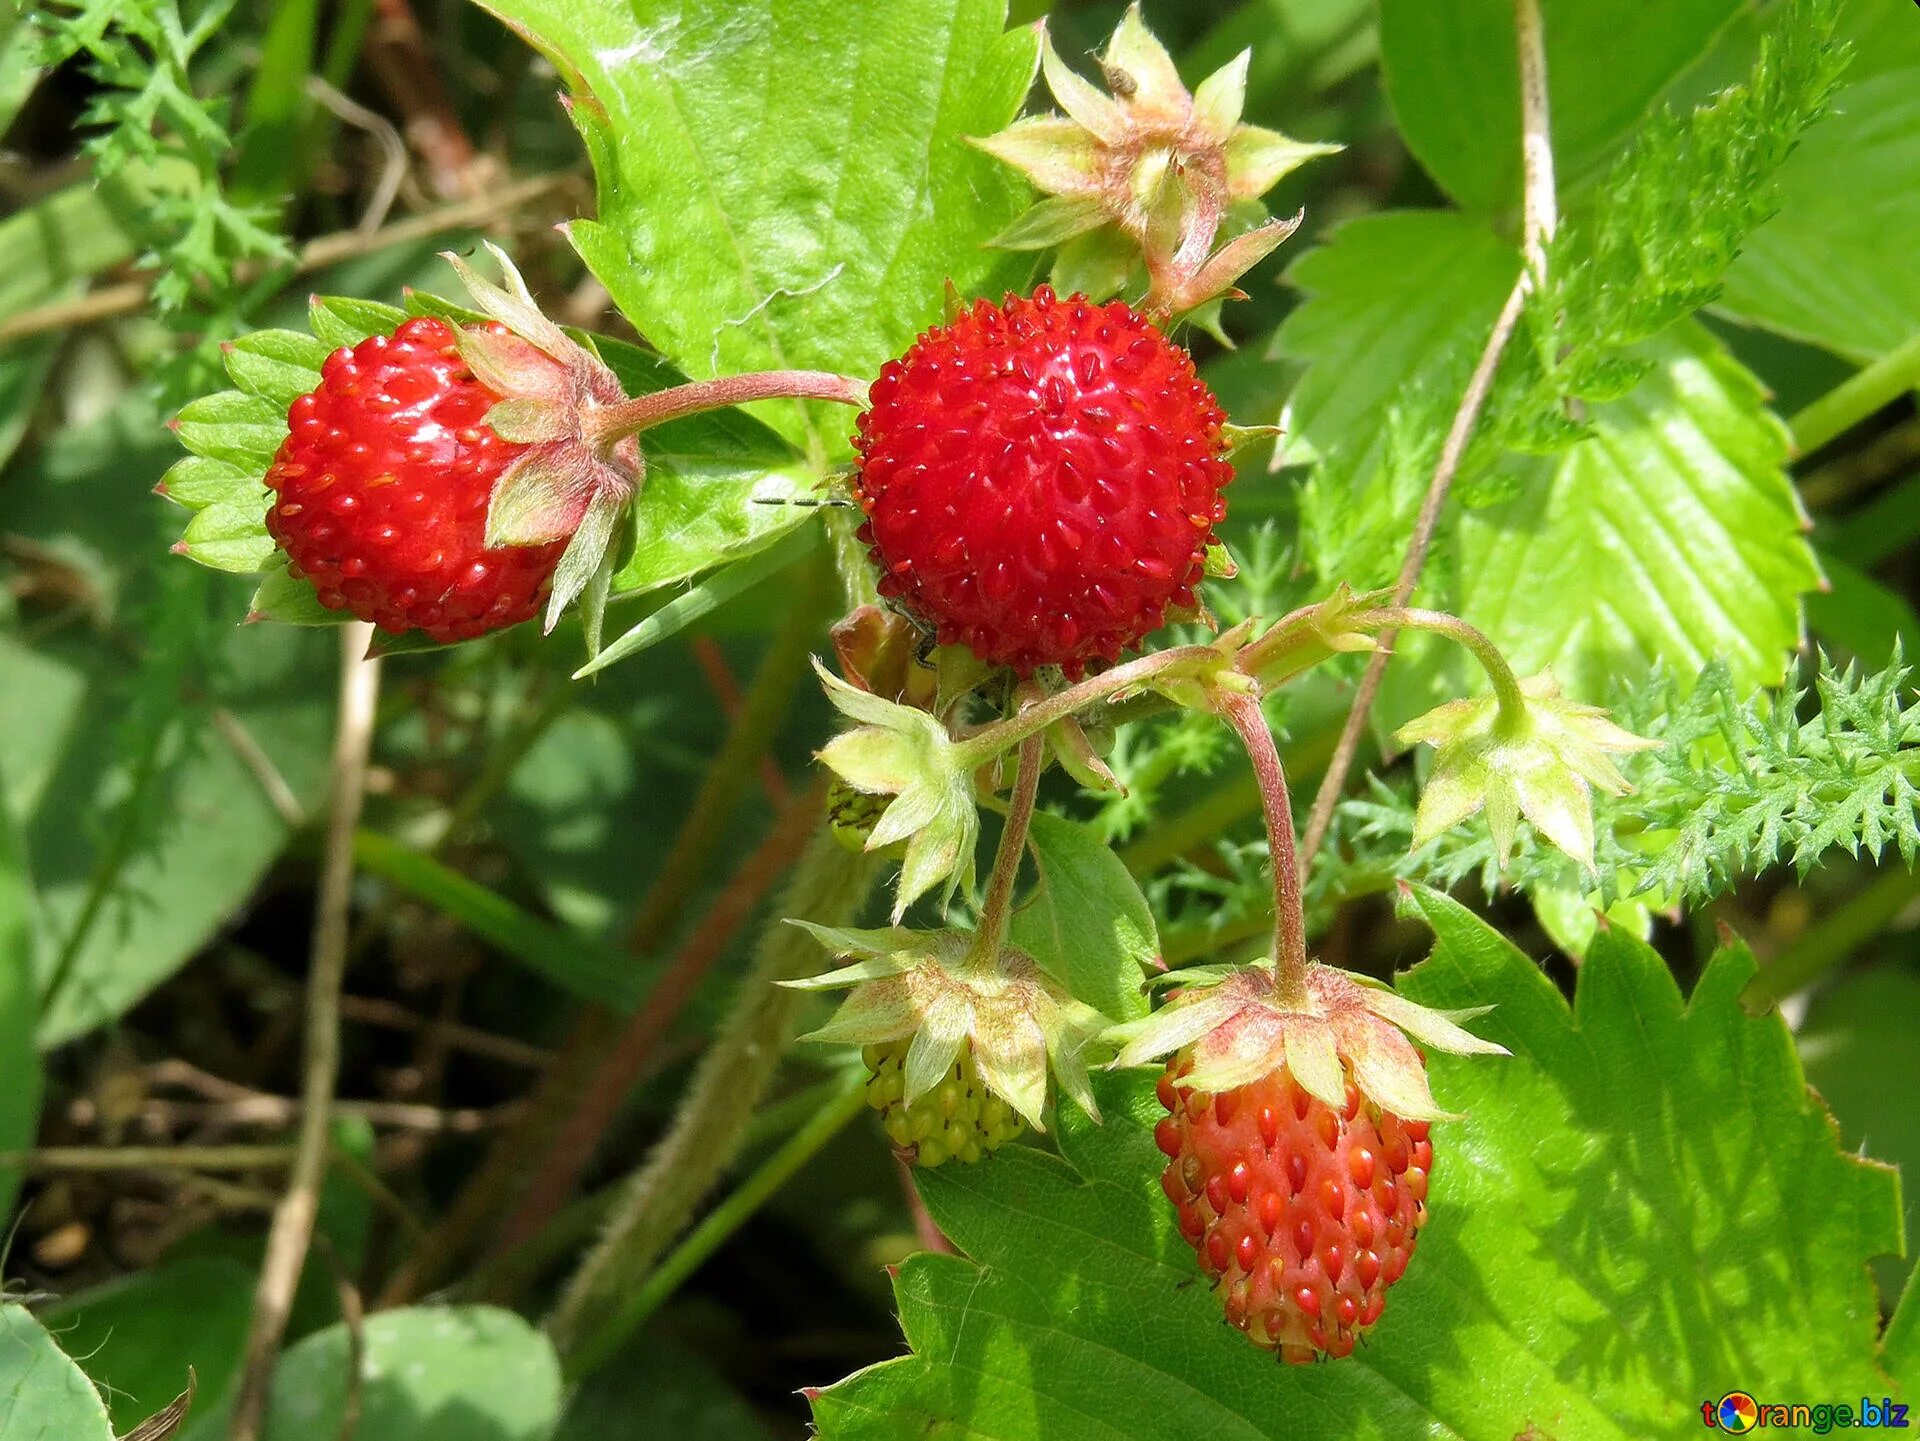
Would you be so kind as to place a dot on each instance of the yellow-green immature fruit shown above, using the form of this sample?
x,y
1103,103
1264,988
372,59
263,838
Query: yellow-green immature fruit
x,y
958,1120
852,814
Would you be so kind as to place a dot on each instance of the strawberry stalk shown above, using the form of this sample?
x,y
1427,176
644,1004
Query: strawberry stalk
x,y
1244,714
997,908
608,423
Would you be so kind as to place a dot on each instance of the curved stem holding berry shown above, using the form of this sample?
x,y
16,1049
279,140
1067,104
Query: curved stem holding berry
x,y
608,423
997,907
1244,714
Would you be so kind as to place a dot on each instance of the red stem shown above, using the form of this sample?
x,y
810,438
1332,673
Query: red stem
x,y
1289,917
611,422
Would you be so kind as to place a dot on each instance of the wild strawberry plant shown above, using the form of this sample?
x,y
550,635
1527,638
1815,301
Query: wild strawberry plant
x,y
933,357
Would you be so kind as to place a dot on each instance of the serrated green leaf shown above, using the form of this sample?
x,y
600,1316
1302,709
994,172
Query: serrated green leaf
x,y
1670,533
1853,1045
427,1373
786,183
1410,289
1087,924
229,535
42,1393
1644,1209
197,481
244,430
277,365
1454,81
1821,269
1673,534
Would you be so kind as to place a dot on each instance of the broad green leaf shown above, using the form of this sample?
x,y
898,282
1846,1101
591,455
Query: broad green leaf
x,y
1644,1209
428,1373
135,1346
20,1076
1821,270
1672,534
43,1395
1404,288
1454,80
1087,923
136,719
786,183
1853,1044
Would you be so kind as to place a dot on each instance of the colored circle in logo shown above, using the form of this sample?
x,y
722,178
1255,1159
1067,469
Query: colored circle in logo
x,y
1738,1412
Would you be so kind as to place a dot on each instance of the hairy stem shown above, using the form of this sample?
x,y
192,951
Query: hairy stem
x,y
567,1158
848,1101
992,740
611,422
1506,685
293,1221
1243,712
829,887
1537,159
997,908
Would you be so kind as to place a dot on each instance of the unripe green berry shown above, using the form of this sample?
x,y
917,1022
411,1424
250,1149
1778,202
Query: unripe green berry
x,y
852,814
959,1119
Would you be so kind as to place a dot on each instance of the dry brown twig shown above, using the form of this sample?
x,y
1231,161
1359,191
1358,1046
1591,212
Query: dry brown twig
x,y
293,1221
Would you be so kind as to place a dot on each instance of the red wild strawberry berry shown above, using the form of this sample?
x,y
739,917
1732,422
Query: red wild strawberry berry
x,y
382,487
1303,1215
1041,480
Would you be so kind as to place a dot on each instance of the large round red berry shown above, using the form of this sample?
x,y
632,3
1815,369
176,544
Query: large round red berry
x,y
1302,1215
382,485
1041,480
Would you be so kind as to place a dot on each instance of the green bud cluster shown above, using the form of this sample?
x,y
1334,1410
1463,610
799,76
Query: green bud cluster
x,y
959,1119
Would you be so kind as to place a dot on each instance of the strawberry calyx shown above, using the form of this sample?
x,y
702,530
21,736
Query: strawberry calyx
x,y
996,1015
1240,1024
1148,170
572,482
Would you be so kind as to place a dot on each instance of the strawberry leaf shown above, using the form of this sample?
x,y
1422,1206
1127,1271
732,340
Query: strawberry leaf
x,y
787,183
1087,924
1644,1209
1665,530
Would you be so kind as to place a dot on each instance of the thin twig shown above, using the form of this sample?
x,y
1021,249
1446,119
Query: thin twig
x,y
147,1158
1536,150
318,253
293,1221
